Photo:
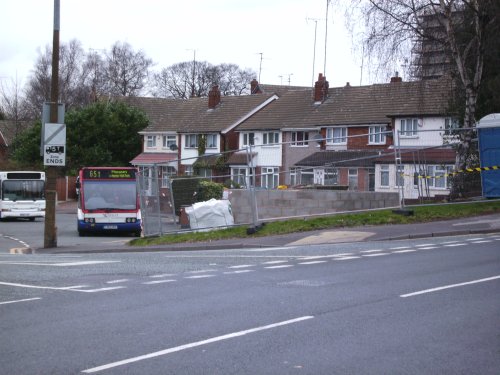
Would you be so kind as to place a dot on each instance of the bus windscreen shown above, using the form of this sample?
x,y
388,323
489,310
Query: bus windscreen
x,y
110,195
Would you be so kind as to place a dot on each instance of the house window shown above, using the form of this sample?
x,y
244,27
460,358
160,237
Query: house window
x,y
353,178
438,176
205,172
384,175
166,172
169,141
331,176
188,170
211,140
270,177
270,138
306,176
376,134
336,135
248,139
151,141
399,175
450,125
409,127
300,138
293,176
191,140
242,176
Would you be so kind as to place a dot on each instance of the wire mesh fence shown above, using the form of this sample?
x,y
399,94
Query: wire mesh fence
x,y
289,179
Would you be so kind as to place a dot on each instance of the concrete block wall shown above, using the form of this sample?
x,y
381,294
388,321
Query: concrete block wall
x,y
302,203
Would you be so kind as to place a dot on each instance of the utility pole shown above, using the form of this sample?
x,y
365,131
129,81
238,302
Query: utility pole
x,y
50,234
260,65
315,20
326,35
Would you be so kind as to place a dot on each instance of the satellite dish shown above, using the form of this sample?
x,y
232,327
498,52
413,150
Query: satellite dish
x,y
173,147
318,138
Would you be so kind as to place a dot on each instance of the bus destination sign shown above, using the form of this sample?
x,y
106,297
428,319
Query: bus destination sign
x,y
110,174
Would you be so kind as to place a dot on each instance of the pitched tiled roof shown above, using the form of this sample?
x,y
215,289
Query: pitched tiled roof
x,y
148,158
422,156
340,159
193,115
354,105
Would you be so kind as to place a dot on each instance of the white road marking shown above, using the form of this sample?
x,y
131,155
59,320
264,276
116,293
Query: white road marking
x,y
198,276
161,276
314,257
117,281
404,251
43,287
20,300
314,262
96,290
201,271
236,272
281,266
194,344
342,255
242,266
347,258
399,248
158,282
269,248
428,248
377,250
446,242
275,262
375,255
449,286
455,244
64,264
482,241
475,239
424,245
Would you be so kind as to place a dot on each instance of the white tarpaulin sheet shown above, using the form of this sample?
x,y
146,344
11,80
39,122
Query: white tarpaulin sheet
x,y
210,214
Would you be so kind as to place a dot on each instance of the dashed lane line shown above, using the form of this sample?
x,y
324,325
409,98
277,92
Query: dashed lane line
x,y
20,300
280,266
159,282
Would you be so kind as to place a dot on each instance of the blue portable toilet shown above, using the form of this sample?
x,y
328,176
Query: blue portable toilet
x,y
489,154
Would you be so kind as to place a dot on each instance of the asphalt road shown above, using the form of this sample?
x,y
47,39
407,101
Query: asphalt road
x,y
407,307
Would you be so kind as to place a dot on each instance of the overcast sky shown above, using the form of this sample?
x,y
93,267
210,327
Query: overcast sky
x,y
167,31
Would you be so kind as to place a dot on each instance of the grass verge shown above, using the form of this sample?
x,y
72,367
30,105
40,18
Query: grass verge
x,y
383,217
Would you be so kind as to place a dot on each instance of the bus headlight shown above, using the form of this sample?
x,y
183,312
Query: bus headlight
x,y
89,220
130,220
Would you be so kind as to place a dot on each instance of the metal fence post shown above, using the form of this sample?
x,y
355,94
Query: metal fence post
x,y
252,187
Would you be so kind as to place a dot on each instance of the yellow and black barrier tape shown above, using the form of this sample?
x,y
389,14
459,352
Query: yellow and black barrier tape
x,y
454,173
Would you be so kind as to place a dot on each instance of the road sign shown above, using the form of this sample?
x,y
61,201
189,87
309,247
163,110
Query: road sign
x,y
54,145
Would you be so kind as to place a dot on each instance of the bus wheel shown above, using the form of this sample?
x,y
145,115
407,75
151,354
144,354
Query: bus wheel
x,y
81,233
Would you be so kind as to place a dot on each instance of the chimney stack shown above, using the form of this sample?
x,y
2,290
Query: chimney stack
x,y
396,78
321,89
254,87
214,97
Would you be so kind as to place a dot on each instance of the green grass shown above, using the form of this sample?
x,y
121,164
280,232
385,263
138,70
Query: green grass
x,y
382,217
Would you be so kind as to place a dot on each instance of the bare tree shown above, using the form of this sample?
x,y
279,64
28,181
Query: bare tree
x,y
73,89
393,25
12,101
126,71
188,79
